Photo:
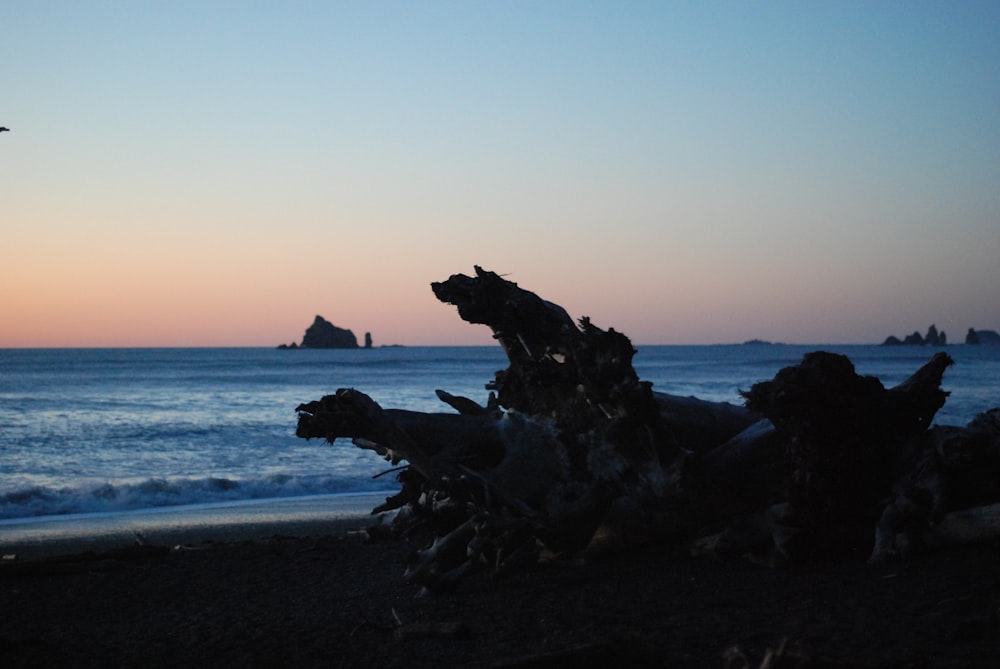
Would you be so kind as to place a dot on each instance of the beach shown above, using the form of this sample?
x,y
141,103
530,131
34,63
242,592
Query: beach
x,y
50,536
142,530
324,595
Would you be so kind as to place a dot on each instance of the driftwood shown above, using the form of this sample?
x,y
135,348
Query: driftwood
x,y
819,461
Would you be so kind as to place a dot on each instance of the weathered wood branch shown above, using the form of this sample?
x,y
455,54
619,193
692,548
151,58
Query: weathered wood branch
x,y
570,437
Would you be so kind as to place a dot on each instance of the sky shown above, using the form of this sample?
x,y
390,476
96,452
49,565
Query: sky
x,y
218,173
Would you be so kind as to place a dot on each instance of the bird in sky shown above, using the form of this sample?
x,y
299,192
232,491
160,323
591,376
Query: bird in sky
x,y
4,129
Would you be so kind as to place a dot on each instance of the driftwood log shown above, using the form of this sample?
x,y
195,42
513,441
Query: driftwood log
x,y
820,461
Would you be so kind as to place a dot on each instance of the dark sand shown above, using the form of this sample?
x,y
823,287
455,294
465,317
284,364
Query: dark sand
x,y
332,600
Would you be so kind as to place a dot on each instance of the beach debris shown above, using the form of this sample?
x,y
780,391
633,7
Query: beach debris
x,y
571,444
630,651
785,655
403,631
429,629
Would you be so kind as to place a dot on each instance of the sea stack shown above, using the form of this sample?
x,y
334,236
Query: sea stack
x,y
324,334
986,337
932,338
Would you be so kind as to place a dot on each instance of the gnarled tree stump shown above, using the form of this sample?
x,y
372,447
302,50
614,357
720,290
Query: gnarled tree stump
x,y
570,438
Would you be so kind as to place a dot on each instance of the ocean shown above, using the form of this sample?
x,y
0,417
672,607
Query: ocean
x,y
103,431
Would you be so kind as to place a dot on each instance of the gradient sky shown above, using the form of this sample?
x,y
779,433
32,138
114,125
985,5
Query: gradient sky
x,y
217,173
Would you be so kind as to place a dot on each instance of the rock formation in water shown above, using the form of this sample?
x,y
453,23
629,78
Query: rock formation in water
x,y
324,334
932,338
988,337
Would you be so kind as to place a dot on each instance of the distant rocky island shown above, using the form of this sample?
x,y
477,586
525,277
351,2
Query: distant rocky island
x,y
935,338
324,334
988,337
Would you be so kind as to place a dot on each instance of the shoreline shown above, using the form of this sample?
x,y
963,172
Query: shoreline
x,y
286,582
337,600
246,520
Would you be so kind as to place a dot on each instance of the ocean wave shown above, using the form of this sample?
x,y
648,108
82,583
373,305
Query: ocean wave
x,y
103,497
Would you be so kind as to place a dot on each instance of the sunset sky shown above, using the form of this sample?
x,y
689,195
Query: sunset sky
x,y
218,173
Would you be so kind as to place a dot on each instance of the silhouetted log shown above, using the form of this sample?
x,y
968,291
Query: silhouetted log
x,y
948,490
568,430
974,525
843,435
570,439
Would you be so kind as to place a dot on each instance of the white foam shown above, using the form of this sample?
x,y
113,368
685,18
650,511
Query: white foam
x,y
106,497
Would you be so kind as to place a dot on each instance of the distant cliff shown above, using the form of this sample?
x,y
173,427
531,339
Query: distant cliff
x,y
324,334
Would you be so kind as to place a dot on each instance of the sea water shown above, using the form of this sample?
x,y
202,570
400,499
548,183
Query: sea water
x,y
97,431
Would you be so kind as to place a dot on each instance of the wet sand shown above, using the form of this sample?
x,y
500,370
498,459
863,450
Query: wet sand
x,y
33,538
269,596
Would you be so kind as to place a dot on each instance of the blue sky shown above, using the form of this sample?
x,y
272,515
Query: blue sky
x,y
217,173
